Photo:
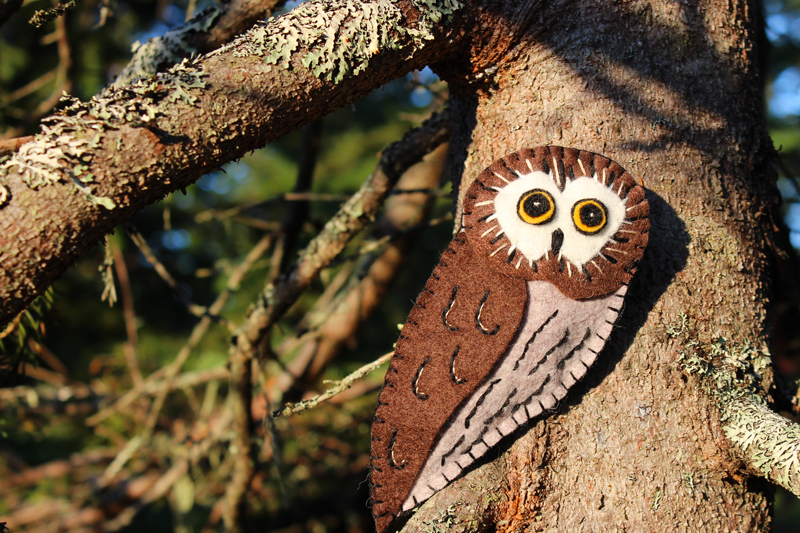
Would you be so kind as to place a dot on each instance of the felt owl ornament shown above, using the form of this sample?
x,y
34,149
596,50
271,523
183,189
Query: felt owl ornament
x,y
517,310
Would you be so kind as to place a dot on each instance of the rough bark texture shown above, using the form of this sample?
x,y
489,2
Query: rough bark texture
x,y
671,91
205,32
142,142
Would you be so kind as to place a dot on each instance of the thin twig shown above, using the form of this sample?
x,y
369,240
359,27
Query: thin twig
x,y
129,313
351,218
10,146
48,357
148,253
63,83
164,484
232,212
338,387
215,214
276,299
336,316
298,211
55,469
791,176
377,244
276,446
61,395
197,334
31,87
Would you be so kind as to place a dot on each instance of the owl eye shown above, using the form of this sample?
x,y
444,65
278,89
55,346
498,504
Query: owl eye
x,y
536,207
589,216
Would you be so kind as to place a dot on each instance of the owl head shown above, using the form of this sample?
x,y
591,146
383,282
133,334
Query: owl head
x,y
570,217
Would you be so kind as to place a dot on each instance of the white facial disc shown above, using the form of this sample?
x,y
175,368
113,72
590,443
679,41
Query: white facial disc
x,y
535,240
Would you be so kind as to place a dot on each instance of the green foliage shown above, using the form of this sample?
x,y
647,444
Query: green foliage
x,y
14,60
15,338
200,236
312,465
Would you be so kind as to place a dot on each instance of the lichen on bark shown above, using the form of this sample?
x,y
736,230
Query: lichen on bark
x,y
171,47
64,149
337,38
770,442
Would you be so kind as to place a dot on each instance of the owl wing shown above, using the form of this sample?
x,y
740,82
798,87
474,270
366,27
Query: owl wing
x,y
558,341
461,325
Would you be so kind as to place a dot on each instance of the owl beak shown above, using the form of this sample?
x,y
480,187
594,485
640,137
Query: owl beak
x,y
558,240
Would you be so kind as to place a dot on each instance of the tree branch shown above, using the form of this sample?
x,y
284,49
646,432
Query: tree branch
x,y
9,146
170,372
97,163
204,32
767,442
338,387
336,316
351,218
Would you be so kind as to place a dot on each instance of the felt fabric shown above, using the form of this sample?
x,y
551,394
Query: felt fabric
x,y
558,341
609,269
465,317
497,337
534,241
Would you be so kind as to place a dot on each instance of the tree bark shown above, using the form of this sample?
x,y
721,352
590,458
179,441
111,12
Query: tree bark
x,y
658,437
97,163
671,91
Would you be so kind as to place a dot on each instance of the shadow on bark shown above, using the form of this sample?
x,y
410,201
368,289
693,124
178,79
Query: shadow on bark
x,y
665,256
675,59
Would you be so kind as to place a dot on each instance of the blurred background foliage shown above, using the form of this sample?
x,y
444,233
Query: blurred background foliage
x,y
57,463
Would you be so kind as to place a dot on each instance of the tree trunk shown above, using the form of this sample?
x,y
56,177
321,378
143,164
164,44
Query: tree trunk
x,y
671,91
669,431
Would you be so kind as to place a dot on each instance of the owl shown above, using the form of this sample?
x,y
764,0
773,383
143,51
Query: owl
x,y
518,308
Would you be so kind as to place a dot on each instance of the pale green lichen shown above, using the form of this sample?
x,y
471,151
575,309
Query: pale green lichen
x,y
446,521
154,93
65,147
169,48
770,441
656,499
62,150
340,37
732,372
726,366
183,77
733,369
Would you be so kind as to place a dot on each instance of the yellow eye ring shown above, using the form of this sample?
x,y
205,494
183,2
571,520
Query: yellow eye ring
x,y
589,216
536,207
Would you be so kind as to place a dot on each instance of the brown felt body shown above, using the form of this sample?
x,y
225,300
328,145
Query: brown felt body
x,y
467,319
422,387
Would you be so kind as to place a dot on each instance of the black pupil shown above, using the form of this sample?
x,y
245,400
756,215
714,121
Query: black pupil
x,y
591,215
536,205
